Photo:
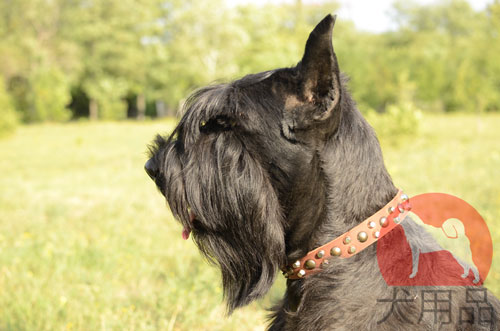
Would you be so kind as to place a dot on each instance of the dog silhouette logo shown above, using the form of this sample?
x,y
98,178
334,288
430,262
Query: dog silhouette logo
x,y
451,237
442,241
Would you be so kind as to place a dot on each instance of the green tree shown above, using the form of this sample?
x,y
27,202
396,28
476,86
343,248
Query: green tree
x,y
35,58
8,117
450,54
51,95
111,36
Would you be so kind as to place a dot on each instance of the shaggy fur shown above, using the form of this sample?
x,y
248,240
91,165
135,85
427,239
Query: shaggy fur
x,y
270,166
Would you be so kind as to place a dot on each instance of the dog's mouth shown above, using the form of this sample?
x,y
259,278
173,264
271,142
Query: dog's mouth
x,y
185,233
187,230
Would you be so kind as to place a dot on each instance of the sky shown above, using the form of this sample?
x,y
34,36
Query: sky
x,y
368,15
373,15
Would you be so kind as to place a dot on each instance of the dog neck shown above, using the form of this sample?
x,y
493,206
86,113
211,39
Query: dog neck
x,y
351,180
351,184
352,242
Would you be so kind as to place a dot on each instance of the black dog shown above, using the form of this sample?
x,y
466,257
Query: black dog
x,y
271,166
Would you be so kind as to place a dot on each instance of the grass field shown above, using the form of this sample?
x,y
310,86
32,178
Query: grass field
x,y
86,242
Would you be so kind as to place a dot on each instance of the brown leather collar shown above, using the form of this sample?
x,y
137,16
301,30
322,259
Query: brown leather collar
x,y
353,241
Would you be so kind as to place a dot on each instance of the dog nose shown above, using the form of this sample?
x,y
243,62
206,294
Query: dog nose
x,y
151,169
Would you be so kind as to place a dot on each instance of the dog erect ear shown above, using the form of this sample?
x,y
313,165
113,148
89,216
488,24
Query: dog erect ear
x,y
318,90
319,70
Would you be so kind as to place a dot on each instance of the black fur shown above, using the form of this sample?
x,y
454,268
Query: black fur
x,y
274,165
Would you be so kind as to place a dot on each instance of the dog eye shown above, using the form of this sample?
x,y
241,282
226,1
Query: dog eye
x,y
216,124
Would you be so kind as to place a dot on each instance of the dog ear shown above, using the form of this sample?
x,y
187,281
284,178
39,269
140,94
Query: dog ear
x,y
319,70
318,90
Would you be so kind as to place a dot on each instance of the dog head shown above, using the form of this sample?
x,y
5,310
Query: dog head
x,y
239,155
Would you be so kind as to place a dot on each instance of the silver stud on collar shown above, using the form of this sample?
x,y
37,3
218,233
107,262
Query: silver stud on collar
x,y
404,197
352,250
384,222
376,234
288,272
301,273
296,264
371,225
391,209
310,264
320,254
362,236
347,240
335,251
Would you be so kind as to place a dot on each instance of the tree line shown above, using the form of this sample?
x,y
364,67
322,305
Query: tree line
x,y
112,59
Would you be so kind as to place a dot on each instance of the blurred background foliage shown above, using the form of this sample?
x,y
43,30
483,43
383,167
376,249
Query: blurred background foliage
x,y
115,59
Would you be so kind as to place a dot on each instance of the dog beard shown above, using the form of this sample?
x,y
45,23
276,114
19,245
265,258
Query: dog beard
x,y
220,192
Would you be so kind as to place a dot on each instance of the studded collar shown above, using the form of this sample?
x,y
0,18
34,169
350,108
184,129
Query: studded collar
x,y
353,241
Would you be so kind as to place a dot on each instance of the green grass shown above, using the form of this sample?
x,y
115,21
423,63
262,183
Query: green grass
x,y
86,242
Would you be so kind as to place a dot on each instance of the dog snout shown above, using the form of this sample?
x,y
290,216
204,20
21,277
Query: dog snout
x,y
151,169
